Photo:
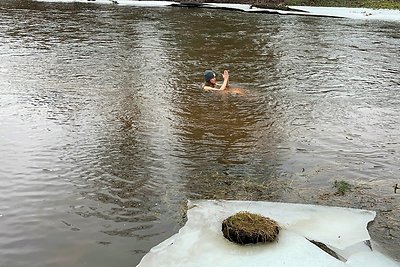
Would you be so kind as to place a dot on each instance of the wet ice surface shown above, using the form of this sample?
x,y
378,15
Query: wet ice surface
x,y
201,243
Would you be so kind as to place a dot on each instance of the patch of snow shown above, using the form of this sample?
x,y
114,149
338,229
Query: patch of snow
x,y
353,13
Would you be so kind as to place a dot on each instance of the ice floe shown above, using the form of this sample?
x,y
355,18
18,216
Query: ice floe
x,y
310,236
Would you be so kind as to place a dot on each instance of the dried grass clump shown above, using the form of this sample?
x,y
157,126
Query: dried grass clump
x,y
246,228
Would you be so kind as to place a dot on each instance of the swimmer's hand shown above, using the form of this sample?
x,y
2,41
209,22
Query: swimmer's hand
x,y
225,75
226,80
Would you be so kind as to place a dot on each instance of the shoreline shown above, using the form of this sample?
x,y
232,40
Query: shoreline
x,y
382,4
311,11
284,5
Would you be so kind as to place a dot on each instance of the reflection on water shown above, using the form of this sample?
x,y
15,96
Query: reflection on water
x,y
105,133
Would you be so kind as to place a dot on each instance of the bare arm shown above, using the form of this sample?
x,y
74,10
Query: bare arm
x,y
211,88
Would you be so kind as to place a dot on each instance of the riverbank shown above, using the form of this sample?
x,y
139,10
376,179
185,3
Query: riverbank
x,y
332,12
375,4
285,4
313,11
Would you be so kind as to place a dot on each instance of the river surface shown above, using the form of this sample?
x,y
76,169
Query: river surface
x,y
104,132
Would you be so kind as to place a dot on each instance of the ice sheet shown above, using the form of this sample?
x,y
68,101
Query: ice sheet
x,y
201,243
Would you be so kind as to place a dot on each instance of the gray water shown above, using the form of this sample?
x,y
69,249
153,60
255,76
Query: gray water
x,y
104,133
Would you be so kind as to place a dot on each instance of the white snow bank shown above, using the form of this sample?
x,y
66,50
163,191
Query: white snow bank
x,y
201,243
341,12
354,13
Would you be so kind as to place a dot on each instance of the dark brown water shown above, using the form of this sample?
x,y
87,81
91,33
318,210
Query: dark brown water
x,y
104,132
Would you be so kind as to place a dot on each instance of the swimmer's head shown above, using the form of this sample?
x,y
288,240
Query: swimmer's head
x,y
208,75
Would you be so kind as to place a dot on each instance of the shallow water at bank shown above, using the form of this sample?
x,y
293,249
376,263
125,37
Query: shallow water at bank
x,y
104,132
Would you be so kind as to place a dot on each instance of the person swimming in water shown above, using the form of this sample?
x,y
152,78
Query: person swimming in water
x,y
210,81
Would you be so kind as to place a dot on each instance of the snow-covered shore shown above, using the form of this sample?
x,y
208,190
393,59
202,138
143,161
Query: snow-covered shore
x,y
354,13
341,12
